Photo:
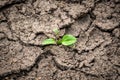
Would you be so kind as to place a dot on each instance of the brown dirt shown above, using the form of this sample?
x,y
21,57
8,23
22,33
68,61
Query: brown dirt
x,y
24,24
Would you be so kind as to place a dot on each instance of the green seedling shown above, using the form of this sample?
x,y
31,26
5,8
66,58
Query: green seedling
x,y
66,40
49,41
56,31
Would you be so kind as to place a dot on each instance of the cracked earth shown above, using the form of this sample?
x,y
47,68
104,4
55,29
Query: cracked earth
x,y
24,24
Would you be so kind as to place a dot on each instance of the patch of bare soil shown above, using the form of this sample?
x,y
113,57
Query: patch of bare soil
x,y
24,24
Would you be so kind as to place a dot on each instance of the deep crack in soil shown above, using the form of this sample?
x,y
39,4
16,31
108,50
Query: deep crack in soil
x,y
24,24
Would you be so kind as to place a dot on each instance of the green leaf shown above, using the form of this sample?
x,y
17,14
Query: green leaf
x,y
48,41
68,40
56,31
59,41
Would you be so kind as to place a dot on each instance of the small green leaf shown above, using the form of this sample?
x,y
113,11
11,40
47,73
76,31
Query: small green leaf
x,y
59,41
68,40
56,31
48,41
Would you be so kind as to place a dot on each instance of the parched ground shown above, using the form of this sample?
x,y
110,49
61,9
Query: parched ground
x,y
24,24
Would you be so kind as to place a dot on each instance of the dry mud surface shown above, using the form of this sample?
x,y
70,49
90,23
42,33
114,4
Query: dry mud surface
x,y
24,24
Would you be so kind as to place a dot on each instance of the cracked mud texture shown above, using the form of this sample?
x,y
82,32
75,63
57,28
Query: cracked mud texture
x,y
24,24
